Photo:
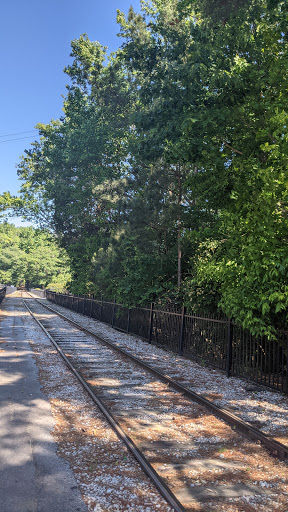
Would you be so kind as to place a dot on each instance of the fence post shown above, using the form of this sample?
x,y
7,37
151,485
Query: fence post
x,y
229,347
101,308
128,320
113,313
182,332
151,322
91,305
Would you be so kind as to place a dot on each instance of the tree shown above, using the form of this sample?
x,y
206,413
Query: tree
x,y
76,172
167,173
246,137
29,255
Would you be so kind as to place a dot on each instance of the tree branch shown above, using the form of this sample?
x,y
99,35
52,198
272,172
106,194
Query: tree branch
x,y
233,149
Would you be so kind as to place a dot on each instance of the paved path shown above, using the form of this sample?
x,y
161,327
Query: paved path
x,y
32,477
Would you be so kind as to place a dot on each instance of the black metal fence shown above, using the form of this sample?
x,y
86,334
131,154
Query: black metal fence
x,y
215,341
2,293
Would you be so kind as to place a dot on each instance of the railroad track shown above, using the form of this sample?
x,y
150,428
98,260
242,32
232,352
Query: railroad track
x,y
160,421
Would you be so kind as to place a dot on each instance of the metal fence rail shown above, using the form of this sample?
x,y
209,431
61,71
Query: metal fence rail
x,y
215,341
2,293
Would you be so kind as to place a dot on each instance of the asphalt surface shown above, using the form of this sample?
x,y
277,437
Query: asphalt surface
x,y
33,478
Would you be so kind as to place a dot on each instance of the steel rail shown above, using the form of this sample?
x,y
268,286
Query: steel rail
x,y
276,448
159,483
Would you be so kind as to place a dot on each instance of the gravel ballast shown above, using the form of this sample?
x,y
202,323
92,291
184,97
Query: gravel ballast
x,y
251,403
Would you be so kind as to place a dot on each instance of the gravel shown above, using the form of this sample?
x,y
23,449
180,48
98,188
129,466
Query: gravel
x,y
117,484
254,404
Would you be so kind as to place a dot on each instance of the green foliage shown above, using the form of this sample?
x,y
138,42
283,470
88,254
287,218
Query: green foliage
x,y
28,255
166,176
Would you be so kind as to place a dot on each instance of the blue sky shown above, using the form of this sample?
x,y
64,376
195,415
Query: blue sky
x,y
35,41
